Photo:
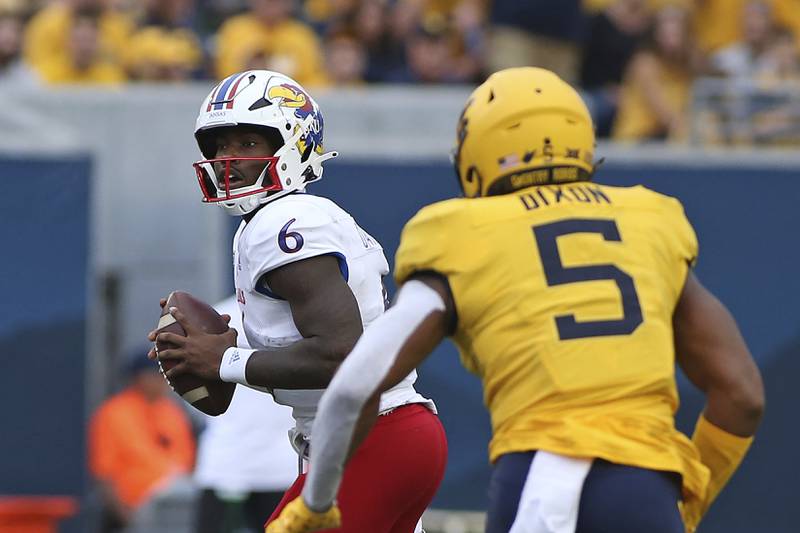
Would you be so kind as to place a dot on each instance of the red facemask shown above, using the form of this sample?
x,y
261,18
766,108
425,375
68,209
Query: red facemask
x,y
219,190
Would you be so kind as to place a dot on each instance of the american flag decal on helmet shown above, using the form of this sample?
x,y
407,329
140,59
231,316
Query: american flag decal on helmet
x,y
226,92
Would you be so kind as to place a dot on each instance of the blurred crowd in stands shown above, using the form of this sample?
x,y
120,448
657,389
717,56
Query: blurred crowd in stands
x,y
636,61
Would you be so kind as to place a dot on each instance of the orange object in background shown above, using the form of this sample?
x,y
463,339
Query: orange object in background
x,y
34,514
136,443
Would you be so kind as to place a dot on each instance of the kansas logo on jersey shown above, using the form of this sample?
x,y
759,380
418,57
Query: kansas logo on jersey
x,y
294,98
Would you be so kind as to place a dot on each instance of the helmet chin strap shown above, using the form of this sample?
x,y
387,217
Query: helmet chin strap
x,y
240,208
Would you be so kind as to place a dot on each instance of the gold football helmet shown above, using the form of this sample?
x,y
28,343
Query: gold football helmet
x,y
523,127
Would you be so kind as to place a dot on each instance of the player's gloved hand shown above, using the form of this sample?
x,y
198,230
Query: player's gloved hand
x,y
296,517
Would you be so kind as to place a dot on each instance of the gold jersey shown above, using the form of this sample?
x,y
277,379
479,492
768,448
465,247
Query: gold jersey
x,y
564,296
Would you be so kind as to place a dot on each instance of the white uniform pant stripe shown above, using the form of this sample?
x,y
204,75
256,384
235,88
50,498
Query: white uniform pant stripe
x,y
551,495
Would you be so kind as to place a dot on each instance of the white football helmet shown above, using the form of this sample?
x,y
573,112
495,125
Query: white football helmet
x,y
264,99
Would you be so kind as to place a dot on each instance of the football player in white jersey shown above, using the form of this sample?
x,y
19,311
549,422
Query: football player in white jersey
x,y
308,280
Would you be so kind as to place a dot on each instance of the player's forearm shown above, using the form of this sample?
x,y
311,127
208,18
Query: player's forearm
x,y
369,414
723,435
377,363
345,415
307,364
721,452
343,421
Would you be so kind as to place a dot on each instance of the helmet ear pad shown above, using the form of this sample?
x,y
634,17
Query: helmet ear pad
x,y
207,139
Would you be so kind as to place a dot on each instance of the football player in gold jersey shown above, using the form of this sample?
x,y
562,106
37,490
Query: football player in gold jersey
x,y
572,301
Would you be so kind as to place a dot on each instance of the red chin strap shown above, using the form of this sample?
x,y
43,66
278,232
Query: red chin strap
x,y
212,189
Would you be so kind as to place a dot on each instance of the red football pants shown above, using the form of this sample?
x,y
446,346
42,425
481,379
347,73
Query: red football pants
x,y
392,477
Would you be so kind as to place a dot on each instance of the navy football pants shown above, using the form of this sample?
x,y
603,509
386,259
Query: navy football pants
x,y
615,498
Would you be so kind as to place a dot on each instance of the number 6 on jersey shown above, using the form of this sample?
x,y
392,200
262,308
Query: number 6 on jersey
x,y
295,236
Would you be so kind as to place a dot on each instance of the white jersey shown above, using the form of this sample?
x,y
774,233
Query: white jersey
x,y
242,450
296,227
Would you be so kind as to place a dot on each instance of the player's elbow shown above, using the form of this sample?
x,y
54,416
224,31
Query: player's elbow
x,y
750,401
335,351
750,398
745,400
343,343
342,348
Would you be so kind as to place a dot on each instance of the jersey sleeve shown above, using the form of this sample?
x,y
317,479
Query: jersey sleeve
x,y
685,239
427,243
291,231
681,242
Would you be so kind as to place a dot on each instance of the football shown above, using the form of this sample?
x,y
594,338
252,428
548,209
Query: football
x,y
211,397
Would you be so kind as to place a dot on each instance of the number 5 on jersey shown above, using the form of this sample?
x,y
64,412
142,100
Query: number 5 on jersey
x,y
557,274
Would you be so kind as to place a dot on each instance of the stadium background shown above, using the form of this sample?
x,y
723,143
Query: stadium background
x,y
102,217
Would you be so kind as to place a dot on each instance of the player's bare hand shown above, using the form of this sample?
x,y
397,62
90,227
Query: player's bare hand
x,y
151,336
296,517
198,353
